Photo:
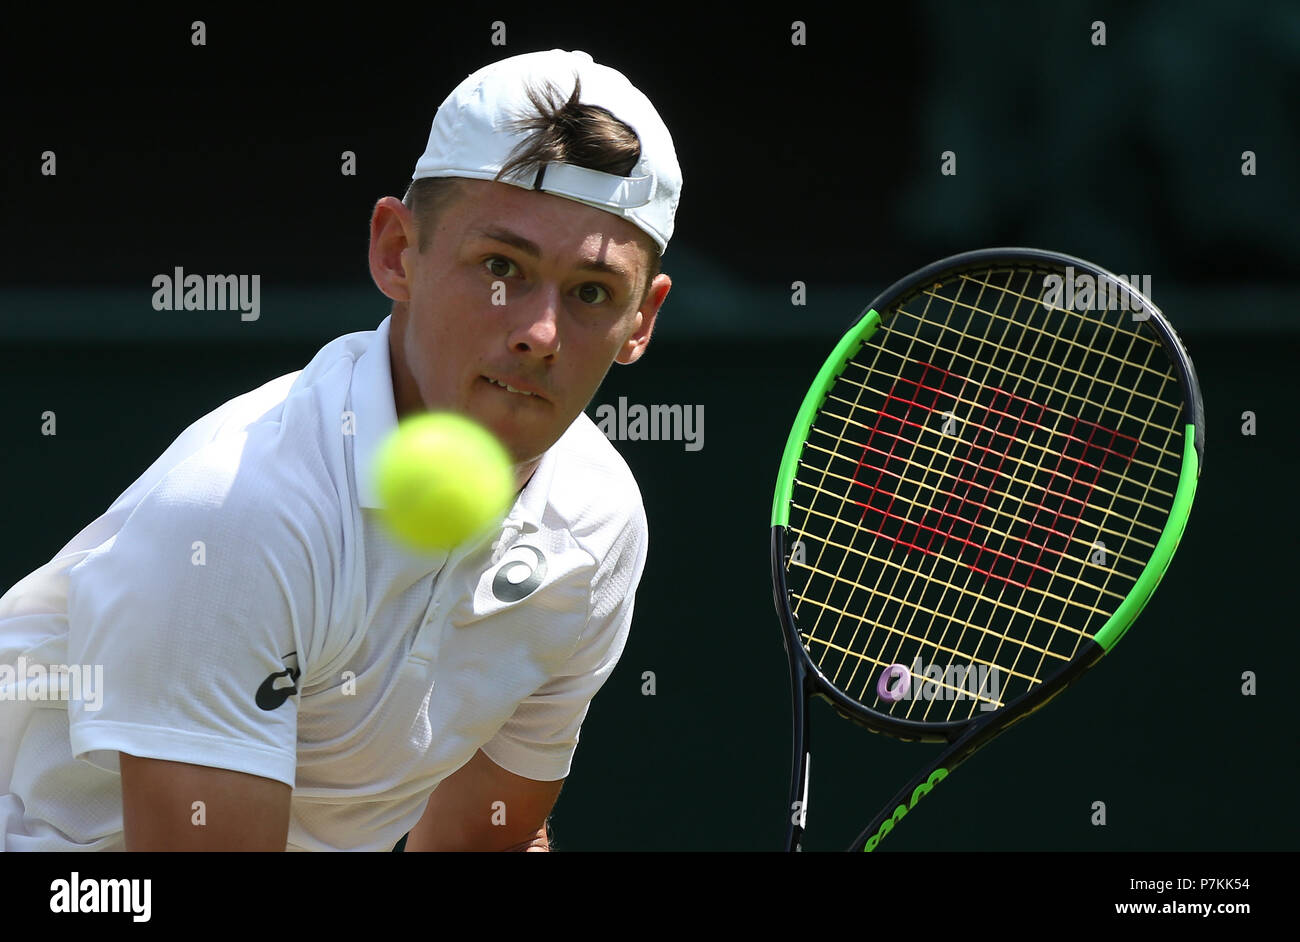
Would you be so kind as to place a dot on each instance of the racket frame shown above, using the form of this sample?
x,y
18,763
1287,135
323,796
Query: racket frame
x,y
963,737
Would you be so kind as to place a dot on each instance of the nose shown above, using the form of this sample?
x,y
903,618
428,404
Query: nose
x,y
535,326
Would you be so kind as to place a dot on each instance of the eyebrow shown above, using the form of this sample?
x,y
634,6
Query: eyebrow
x,y
529,247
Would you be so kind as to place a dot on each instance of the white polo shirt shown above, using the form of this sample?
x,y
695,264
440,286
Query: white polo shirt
x,y
250,555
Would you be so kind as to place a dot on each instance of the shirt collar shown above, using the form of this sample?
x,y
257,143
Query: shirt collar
x,y
374,411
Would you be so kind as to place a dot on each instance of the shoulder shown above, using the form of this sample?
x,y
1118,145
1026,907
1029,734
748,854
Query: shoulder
x,y
593,490
250,516
241,536
273,461
288,431
257,481
232,555
595,497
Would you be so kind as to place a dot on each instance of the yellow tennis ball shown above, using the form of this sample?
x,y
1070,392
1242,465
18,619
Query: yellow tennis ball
x,y
442,478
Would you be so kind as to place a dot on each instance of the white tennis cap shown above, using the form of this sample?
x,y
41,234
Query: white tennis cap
x,y
471,138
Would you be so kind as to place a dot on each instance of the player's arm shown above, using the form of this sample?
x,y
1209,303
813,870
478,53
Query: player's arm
x,y
239,812
463,814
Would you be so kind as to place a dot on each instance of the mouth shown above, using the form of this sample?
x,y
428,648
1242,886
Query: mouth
x,y
525,391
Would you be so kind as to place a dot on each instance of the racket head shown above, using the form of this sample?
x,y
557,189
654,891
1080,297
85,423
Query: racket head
x,y
986,481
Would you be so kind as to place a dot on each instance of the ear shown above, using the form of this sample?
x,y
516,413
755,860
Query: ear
x,y
393,246
639,339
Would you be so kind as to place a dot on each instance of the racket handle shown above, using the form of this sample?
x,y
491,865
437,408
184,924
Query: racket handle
x,y
898,807
922,784
800,765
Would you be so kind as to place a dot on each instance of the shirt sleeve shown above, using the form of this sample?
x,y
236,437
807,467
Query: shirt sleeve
x,y
197,610
540,738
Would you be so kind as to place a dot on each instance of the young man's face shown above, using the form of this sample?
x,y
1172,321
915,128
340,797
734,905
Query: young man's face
x,y
516,287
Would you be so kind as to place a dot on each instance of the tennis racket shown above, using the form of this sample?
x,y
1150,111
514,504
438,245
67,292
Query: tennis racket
x,y
981,490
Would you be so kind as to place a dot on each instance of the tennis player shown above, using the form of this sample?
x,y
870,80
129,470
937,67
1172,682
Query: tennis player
x,y
273,671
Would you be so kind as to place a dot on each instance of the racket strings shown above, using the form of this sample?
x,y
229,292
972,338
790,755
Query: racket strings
x,y
983,529
1147,428
983,683
1154,468
935,649
1085,319
1047,591
933,487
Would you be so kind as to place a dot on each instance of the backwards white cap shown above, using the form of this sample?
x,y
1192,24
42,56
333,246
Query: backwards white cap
x,y
471,137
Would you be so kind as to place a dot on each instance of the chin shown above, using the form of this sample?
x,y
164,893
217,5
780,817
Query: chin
x,y
518,433
524,444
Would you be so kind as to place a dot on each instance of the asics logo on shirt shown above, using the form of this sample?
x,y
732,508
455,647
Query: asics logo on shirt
x,y
520,574
281,685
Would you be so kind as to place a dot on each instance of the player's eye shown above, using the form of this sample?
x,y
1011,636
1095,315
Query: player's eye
x,y
499,267
592,293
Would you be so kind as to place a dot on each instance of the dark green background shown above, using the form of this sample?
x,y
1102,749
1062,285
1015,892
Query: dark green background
x,y
817,164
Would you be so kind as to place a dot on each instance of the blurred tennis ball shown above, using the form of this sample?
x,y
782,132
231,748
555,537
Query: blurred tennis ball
x,y
442,478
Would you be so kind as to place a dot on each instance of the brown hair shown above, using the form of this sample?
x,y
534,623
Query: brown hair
x,y
562,131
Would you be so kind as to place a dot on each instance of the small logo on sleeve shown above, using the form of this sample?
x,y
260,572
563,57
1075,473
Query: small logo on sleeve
x,y
281,685
520,574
